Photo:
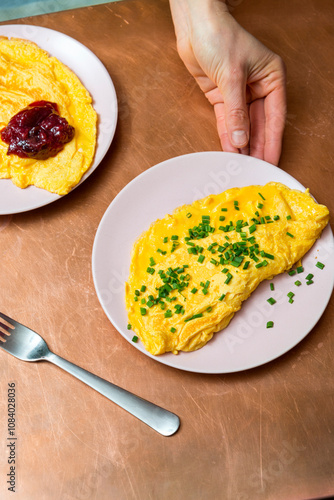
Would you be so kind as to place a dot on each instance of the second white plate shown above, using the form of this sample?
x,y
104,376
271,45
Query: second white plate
x,y
246,342
94,76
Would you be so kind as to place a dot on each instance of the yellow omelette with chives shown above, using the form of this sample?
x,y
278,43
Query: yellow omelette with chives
x,y
191,271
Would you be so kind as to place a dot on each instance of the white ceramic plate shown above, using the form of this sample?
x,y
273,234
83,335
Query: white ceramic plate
x,y
97,81
246,342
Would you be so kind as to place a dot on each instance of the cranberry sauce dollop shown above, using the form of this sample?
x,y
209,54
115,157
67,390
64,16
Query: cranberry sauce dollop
x,y
37,131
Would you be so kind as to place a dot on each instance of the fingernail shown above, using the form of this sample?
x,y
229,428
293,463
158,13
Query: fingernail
x,y
239,138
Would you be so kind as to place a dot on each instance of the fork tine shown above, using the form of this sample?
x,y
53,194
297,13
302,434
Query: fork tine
x,y
9,320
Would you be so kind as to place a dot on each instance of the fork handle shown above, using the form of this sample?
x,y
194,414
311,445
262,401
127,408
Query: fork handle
x,y
161,420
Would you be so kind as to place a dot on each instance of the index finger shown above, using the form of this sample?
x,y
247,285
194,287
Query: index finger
x,y
275,113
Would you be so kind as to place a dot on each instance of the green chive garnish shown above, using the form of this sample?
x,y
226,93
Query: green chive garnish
x,y
300,269
173,330
292,272
252,228
223,209
135,338
150,270
297,283
260,205
309,277
189,215
262,196
129,326
222,297
272,288
143,288
201,259
288,217
320,265
165,240
270,324
309,282
271,301
291,235
194,290
142,311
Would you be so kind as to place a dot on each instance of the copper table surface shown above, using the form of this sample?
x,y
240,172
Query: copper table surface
x,y
267,433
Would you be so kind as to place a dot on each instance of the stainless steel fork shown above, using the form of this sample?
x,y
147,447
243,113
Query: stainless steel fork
x,y
27,345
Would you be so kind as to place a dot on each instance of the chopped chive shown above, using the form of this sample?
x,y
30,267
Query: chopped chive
x,y
135,338
189,215
137,292
194,290
199,315
142,311
291,235
270,324
129,326
292,272
150,303
276,217
222,218
223,209
228,279
272,288
222,297
165,240
174,237
152,261
150,270
297,283
260,264
320,265
309,282
288,217
262,196
225,270
143,288
168,313
201,259
300,269
135,298
173,330
143,301
252,228
290,295
271,301
260,205
209,309
309,277
246,264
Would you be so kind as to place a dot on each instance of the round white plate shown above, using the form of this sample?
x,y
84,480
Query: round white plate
x,y
246,342
94,76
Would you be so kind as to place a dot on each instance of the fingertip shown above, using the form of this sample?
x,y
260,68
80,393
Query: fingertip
x,y
239,138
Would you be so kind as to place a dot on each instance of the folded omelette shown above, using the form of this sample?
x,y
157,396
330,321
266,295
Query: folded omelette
x,y
191,271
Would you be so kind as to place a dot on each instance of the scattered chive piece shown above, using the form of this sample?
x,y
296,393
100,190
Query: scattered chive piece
x,y
271,301
135,338
209,309
288,217
223,209
272,288
201,259
320,265
194,290
309,277
297,283
129,326
199,315
246,264
152,261
270,324
262,196
222,297
168,313
252,228
135,298
292,272
150,270
189,215
309,282
137,292
291,235
174,237
173,330
228,279
300,269
290,295
291,300
260,205
276,217
165,240
142,311
222,218
143,288
143,301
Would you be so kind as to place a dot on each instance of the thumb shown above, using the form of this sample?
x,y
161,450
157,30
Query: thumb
x,y
236,112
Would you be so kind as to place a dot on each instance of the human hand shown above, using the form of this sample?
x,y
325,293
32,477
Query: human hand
x,y
242,79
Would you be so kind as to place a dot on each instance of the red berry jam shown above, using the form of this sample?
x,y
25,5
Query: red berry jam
x,y
38,131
